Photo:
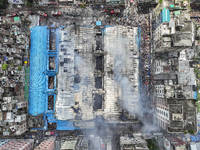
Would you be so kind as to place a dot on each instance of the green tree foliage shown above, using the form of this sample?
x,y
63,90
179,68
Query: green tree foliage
x,y
20,68
82,5
160,1
191,132
29,4
3,4
4,67
185,132
152,144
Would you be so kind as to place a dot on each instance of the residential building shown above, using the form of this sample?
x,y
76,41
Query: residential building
x,y
182,115
172,33
47,144
173,79
134,142
14,117
17,144
174,143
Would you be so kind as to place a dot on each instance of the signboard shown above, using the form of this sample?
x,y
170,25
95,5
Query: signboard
x,y
167,144
16,1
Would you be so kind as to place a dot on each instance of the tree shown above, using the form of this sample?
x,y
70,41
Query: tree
x,y
3,4
191,132
4,67
198,75
82,5
160,1
185,132
152,144
20,68
29,4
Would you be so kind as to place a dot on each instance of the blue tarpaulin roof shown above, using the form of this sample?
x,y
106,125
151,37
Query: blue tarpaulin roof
x,y
165,15
192,137
38,64
38,77
197,137
65,125
98,23
195,94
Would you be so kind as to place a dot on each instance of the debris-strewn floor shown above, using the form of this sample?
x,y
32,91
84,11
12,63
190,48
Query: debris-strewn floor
x,y
121,71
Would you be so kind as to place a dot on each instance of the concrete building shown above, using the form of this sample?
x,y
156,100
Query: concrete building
x,y
194,146
88,83
133,143
48,144
173,143
84,142
173,79
14,118
12,47
172,34
22,104
182,115
4,32
17,144
68,145
121,80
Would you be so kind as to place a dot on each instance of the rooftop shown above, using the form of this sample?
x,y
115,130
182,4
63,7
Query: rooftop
x,y
38,65
182,115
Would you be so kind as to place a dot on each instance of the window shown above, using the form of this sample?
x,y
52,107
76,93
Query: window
x,y
50,102
51,82
52,65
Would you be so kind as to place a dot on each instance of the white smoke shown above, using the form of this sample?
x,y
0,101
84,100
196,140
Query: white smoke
x,y
130,96
117,49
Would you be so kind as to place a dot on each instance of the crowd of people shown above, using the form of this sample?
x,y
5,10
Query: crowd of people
x,y
146,55
143,21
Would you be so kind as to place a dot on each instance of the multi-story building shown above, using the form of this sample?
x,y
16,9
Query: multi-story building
x,y
48,144
172,32
17,144
135,142
174,143
84,142
173,79
13,119
173,37
94,78
12,80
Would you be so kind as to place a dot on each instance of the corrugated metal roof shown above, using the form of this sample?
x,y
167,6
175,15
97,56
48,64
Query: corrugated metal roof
x,y
69,145
177,13
26,88
27,70
26,96
165,15
26,78
193,147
